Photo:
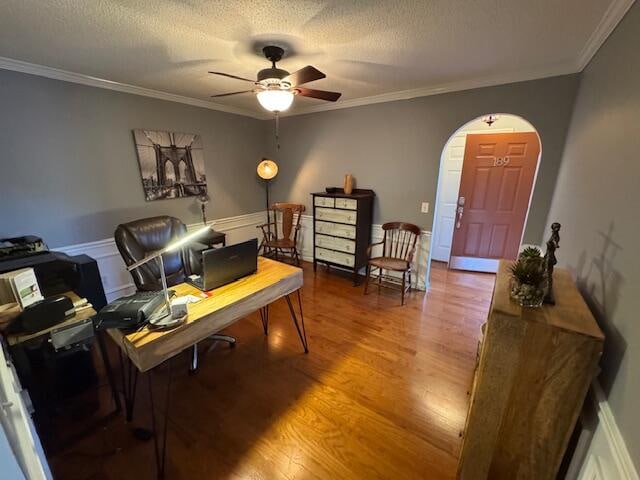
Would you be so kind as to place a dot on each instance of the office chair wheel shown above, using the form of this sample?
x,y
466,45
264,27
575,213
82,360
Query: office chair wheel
x,y
142,434
232,344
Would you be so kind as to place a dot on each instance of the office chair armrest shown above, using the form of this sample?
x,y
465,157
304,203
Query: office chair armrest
x,y
198,247
370,247
192,257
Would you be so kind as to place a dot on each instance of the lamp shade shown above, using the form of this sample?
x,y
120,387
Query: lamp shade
x,y
267,169
275,100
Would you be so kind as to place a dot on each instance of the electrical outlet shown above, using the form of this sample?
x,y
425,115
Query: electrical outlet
x,y
425,207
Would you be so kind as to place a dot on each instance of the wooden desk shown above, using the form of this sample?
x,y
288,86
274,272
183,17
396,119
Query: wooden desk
x,y
148,348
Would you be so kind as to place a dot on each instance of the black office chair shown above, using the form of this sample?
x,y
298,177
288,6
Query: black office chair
x,y
135,239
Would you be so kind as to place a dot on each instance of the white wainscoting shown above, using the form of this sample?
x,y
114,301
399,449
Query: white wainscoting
x,y
305,243
601,453
117,281
115,278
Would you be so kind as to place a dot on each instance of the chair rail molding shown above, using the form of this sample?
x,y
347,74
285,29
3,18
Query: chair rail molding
x,y
117,281
115,278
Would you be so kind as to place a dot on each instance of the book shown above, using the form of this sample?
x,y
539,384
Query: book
x,y
20,286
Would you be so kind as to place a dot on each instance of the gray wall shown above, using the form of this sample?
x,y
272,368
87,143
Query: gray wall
x,y
597,202
395,148
70,171
69,167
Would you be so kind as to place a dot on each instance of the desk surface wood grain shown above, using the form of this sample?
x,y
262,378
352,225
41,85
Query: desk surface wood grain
x,y
148,348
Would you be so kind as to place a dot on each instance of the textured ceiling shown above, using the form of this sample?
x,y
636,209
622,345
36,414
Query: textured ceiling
x,y
366,47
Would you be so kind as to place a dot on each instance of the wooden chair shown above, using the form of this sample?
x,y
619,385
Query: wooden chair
x,y
398,248
276,242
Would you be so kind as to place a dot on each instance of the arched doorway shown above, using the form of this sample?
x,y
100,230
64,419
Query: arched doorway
x,y
494,159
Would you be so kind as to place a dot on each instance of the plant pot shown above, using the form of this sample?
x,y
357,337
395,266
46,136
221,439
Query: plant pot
x,y
530,296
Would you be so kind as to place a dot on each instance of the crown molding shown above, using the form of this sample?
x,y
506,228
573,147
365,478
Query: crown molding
x,y
67,76
521,76
614,14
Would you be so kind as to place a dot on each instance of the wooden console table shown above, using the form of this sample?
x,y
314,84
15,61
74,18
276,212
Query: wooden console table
x,y
533,374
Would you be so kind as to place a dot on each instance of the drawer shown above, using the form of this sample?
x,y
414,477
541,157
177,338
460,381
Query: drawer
x,y
332,215
346,231
335,257
334,243
323,201
348,203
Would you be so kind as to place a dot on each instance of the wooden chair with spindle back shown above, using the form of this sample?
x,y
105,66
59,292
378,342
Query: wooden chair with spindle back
x,y
398,248
279,241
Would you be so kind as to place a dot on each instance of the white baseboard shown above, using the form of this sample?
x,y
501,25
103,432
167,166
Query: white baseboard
x,y
605,455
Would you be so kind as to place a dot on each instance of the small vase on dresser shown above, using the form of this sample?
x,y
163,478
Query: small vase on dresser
x,y
342,228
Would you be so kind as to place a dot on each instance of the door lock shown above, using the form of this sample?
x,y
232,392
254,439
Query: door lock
x,y
460,211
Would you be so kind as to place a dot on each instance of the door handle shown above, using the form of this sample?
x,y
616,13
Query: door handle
x,y
460,210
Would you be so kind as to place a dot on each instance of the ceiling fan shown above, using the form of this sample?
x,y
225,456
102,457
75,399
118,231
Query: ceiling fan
x,y
275,87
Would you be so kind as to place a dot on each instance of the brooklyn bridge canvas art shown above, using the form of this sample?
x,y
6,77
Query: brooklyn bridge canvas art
x,y
171,164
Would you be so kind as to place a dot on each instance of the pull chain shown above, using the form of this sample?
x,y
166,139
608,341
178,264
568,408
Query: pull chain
x,y
277,132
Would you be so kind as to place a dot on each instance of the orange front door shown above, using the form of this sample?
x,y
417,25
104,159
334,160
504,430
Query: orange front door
x,y
495,189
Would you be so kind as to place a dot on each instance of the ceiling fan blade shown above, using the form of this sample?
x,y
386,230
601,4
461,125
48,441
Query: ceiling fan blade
x,y
230,93
304,75
321,94
233,76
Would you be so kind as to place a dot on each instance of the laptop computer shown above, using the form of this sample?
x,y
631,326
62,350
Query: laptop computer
x,y
221,266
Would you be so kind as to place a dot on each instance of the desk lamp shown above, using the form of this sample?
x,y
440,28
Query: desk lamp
x,y
165,318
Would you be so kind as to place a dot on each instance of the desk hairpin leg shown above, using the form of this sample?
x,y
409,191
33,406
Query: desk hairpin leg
x,y
109,370
301,333
264,316
160,441
129,377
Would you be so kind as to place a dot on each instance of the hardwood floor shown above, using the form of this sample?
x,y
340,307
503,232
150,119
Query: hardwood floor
x,y
382,393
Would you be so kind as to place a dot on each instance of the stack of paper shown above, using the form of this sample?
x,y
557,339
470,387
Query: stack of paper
x,y
20,286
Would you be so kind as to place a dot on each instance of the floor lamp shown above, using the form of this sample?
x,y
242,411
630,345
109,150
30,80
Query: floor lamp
x,y
267,170
165,318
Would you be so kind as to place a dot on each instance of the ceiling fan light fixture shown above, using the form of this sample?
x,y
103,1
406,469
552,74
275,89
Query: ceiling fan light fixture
x,y
275,100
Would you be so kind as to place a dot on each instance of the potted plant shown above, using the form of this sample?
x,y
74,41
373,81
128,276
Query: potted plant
x,y
529,282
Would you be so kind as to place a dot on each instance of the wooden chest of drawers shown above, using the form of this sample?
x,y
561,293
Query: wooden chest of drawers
x,y
534,370
342,228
